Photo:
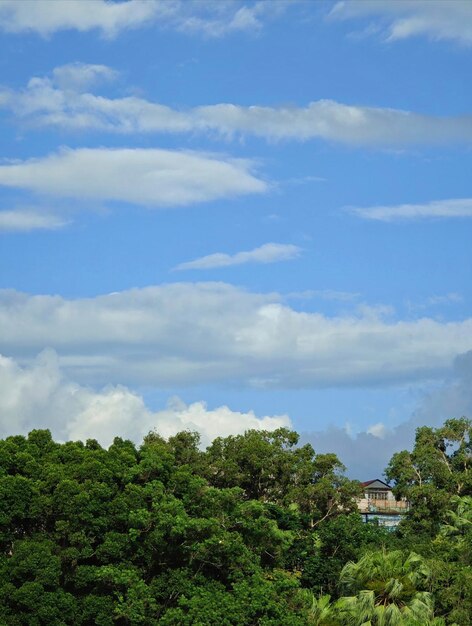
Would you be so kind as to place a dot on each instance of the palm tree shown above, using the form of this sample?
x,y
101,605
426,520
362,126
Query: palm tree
x,y
385,590
322,612
460,522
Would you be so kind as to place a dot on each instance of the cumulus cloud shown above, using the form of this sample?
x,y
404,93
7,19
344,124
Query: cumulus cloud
x,y
378,430
219,422
150,177
184,334
367,454
437,209
24,220
62,101
41,396
268,253
211,19
441,19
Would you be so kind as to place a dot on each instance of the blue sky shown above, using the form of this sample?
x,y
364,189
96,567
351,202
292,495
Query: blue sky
x,y
226,215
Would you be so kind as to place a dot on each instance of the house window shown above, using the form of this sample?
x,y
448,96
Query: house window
x,y
377,495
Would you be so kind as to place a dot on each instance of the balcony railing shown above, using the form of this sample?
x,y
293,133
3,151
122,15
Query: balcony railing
x,y
383,506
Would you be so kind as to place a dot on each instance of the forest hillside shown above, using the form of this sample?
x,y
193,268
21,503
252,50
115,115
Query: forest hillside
x,y
253,530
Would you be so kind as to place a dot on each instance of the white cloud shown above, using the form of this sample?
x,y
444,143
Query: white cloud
x,y
40,396
323,294
267,253
379,430
441,19
219,422
448,298
23,220
211,19
223,18
46,17
80,76
331,294
51,102
185,334
436,209
150,177
334,121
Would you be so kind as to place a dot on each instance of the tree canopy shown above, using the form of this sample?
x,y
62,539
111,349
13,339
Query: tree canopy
x,y
255,529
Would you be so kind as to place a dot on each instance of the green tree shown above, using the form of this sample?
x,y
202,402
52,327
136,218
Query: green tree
x,y
270,467
386,588
452,562
244,533
458,527
323,612
437,469
320,556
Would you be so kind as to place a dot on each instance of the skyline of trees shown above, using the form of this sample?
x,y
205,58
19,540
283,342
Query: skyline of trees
x,y
253,530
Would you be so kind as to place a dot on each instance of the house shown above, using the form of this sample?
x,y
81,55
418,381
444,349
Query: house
x,y
379,504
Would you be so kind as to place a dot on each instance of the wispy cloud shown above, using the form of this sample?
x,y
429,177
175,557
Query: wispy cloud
x,y
149,177
61,101
440,19
24,220
46,17
79,76
332,294
267,253
447,299
429,210
210,19
323,294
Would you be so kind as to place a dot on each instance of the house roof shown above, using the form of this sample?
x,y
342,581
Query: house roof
x,y
369,483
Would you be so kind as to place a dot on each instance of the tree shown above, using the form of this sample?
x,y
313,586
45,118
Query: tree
x,y
322,612
386,588
270,467
265,464
320,556
437,469
253,531
458,527
452,562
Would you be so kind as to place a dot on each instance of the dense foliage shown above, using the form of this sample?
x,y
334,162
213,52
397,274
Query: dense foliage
x,y
255,530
